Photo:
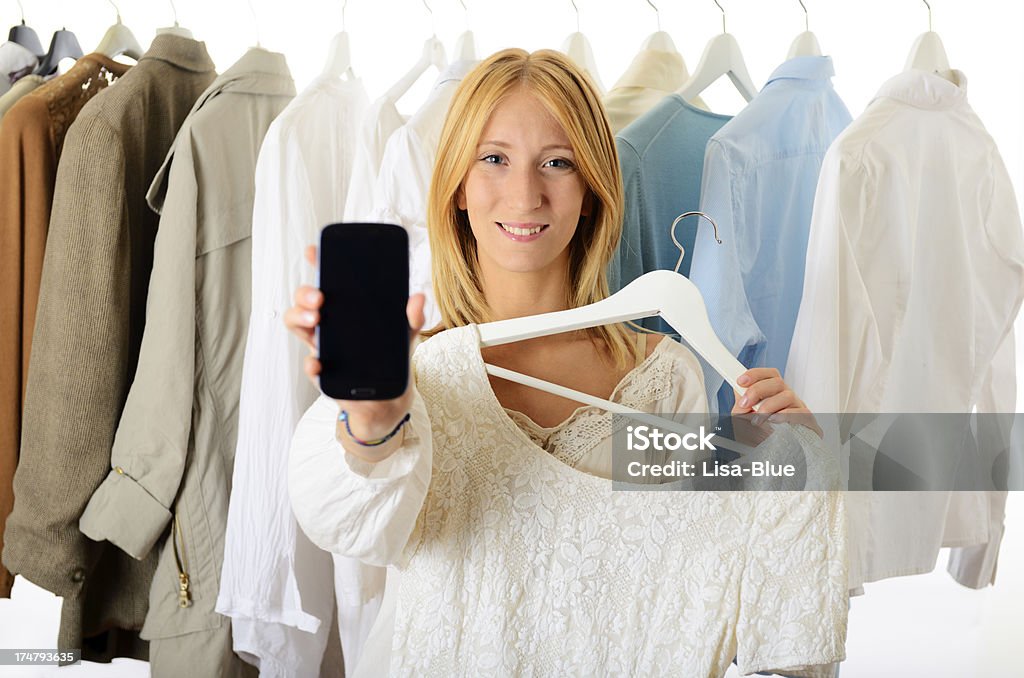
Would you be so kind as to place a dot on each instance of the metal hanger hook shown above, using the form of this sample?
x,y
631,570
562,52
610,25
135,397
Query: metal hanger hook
x,y
343,6
929,15
22,12
466,12
723,15
807,25
577,15
115,9
433,26
679,246
657,14
174,10
255,22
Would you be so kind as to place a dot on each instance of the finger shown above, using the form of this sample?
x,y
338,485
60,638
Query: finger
x,y
309,298
779,402
759,391
414,311
311,366
301,324
756,374
311,254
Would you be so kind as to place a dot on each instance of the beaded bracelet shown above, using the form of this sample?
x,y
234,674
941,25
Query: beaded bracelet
x,y
343,417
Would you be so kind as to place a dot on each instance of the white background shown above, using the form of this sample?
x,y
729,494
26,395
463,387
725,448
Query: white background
x,y
909,627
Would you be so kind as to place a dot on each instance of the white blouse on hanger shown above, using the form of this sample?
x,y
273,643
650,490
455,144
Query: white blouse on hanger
x,y
502,547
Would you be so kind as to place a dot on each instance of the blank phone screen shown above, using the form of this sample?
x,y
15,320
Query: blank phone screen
x,y
363,336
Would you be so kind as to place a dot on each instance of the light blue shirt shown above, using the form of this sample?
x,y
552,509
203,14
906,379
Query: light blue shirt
x,y
760,175
662,155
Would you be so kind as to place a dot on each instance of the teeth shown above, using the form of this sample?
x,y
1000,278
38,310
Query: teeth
x,y
521,231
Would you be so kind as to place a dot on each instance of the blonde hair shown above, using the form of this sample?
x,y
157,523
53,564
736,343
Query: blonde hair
x,y
571,98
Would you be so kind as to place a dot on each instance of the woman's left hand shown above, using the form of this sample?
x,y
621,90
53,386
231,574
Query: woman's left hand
x,y
769,393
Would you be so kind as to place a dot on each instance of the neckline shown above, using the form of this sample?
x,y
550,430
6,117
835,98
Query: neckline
x,y
514,432
582,408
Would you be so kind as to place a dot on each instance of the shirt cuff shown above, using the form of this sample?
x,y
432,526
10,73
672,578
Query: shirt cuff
x,y
122,512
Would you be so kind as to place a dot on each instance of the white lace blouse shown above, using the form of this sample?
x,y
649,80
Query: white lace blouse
x,y
517,558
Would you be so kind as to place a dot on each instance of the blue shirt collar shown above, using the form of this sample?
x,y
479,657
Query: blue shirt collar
x,y
804,68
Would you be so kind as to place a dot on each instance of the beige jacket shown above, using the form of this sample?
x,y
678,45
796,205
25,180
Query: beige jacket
x,y
87,333
174,449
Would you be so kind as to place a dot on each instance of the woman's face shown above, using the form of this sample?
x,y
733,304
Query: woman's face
x,y
523,193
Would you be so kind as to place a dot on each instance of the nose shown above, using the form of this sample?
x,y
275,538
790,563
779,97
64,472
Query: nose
x,y
524,191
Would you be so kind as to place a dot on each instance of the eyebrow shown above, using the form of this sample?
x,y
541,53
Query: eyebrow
x,y
549,147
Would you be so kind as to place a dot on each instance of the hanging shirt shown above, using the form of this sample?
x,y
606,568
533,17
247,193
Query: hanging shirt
x,y
400,194
92,305
31,140
652,75
17,91
662,158
512,560
382,119
915,274
275,585
15,63
760,173
174,448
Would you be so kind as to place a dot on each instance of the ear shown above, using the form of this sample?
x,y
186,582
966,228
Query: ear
x,y
460,198
588,204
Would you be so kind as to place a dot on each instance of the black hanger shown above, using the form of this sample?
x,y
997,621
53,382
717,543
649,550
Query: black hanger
x,y
64,45
26,37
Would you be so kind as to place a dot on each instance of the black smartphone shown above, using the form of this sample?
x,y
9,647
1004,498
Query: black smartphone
x,y
363,335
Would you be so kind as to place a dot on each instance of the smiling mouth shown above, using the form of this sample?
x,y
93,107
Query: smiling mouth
x,y
522,229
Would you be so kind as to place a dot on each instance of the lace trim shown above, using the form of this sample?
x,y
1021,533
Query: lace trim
x,y
66,96
588,426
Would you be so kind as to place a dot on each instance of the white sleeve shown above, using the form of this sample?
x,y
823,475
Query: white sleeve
x,y
352,507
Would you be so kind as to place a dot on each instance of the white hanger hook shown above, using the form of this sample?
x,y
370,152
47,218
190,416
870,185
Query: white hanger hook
x,y
343,6
433,26
679,245
929,15
807,25
723,15
115,9
255,23
577,15
657,14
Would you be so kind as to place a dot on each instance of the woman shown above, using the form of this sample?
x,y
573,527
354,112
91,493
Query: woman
x,y
503,548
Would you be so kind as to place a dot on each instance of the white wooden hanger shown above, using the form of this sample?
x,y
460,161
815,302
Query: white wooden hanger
x,y
666,294
119,40
433,54
175,29
722,56
805,44
339,57
928,54
659,41
465,44
577,47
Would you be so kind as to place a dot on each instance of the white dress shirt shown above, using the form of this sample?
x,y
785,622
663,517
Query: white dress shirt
x,y
15,63
914,276
381,120
278,587
652,75
400,195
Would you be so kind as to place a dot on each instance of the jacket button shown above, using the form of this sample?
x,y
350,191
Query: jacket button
x,y
78,575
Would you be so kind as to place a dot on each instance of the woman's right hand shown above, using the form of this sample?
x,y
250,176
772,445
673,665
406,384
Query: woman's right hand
x,y
368,419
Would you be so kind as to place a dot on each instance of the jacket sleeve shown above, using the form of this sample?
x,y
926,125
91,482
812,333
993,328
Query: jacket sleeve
x,y
131,508
351,507
81,361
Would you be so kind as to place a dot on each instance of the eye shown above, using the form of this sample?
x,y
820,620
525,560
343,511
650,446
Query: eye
x,y
559,163
492,159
